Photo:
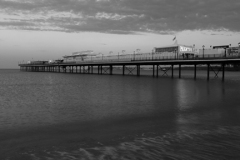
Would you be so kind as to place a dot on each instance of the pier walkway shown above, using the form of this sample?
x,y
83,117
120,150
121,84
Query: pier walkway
x,y
106,67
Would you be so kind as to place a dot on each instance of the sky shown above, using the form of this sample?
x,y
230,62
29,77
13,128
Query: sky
x,y
50,29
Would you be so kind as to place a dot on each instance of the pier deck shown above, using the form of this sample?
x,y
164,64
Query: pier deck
x,y
156,65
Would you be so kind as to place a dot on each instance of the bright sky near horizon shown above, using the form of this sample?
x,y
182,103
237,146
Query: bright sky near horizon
x,y
49,29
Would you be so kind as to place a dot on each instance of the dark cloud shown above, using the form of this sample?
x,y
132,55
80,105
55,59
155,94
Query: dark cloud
x,y
122,16
16,24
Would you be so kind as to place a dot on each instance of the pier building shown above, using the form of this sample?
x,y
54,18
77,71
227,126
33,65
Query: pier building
x,y
176,50
219,51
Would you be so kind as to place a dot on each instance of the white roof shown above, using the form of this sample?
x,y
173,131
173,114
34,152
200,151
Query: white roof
x,y
173,45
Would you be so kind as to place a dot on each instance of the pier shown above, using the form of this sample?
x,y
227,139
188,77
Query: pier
x,y
128,67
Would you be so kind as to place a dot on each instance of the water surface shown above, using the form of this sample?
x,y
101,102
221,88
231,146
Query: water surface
x,y
81,116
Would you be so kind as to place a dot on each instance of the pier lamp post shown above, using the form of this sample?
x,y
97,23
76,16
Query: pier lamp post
x,y
193,50
123,51
152,54
203,50
239,48
138,51
225,52
110,53
175,53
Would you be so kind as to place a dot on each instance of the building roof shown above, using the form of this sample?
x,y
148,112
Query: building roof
x,y
174,45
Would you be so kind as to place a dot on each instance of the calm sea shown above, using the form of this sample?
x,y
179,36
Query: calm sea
x,y
48,116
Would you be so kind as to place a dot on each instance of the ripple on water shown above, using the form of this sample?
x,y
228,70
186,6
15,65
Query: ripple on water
x,y
220,143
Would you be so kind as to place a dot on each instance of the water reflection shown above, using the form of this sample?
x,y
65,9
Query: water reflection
x,y
187,94
210,103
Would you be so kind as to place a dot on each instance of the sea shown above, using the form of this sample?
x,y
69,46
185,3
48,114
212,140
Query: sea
x,y
72,116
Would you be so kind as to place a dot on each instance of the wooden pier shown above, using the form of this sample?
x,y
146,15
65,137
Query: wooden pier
x,y
107,67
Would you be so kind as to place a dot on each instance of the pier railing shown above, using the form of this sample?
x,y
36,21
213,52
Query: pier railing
x,y
150,57
142,57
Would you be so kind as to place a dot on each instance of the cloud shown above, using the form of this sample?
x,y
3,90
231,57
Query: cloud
x,y
120,16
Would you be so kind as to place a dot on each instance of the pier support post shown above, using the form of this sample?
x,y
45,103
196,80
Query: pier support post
x,y
111,69
153,70
157,69
123,69
179,70
195,71
138,70
223,72
208,70
172,71
89,69
84,69
101,69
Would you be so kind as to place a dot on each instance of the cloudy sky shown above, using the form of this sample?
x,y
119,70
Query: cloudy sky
x,y
49,29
